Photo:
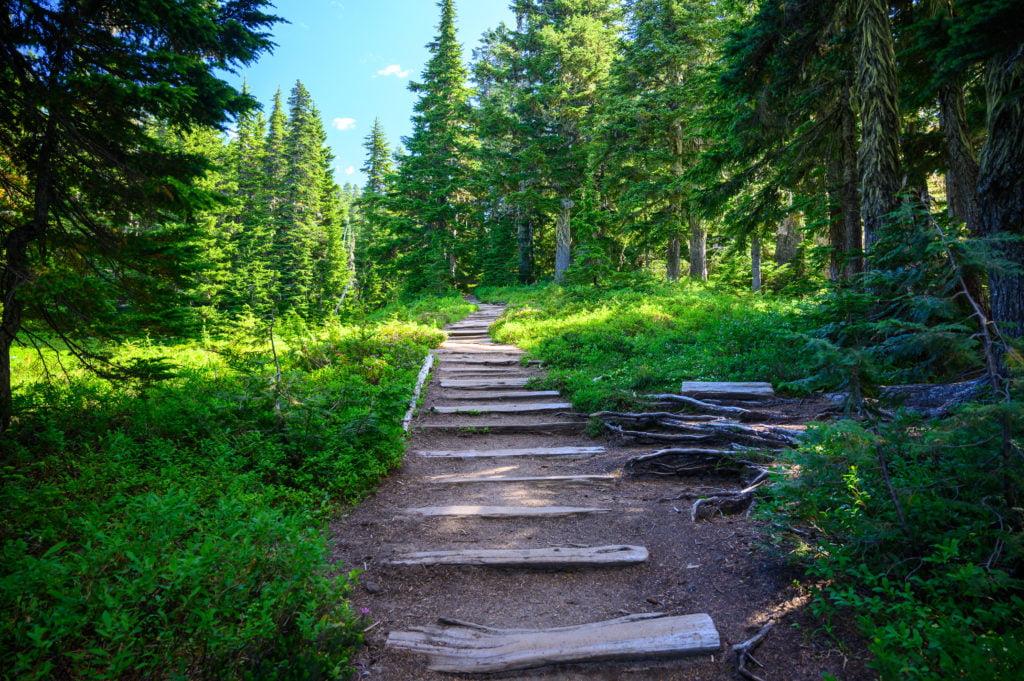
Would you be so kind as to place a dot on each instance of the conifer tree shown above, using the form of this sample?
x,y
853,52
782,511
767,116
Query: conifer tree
x,y
254,279
374,245
431,202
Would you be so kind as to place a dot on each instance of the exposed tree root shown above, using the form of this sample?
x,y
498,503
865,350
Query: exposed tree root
x,y
744,652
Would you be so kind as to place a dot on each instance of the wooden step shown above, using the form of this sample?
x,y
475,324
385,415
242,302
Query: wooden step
x,y
502,408
539,480
577,452
469,347
455,368
727,390
463,647
484,383
497,360
509,395
553,557
504,428
502,511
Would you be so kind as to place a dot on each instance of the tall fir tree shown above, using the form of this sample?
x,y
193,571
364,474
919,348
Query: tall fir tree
x,y
431,201
374,247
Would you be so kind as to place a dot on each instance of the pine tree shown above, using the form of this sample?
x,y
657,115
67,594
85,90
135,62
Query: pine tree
x,y
81,164
374,244
254,279
433,218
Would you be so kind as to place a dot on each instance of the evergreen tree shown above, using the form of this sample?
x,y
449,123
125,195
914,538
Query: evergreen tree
x,y
252,236
82,163
374,244
433,217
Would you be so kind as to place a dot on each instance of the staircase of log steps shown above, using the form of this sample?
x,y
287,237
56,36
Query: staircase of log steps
x,y
494,423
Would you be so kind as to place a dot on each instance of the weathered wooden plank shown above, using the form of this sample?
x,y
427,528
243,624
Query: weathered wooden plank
x,y
484,383
553,557
527,451
508,395
477,426
455,368
470,346
540,480
502,511
495,360
724,390
453,646
502,408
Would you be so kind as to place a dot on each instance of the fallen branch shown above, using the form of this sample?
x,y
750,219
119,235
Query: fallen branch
x,y
744,652
649,416
428,362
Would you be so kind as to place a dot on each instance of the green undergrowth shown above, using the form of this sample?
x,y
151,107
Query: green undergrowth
x,y
173,530
604,348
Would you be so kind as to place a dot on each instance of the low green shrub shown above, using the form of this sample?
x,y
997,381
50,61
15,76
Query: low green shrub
x,y
606,347
172,530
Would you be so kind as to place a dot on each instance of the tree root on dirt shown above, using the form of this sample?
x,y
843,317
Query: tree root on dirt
x,y
744,652
723,431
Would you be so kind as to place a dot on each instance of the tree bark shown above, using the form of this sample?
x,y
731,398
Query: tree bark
x,y
672,267
563,239
878,155
962,173
787,237
845,232
698,249
1001,189
755,263
524,246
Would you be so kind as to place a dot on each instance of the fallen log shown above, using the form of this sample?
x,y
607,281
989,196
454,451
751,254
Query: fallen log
x,y
464,647
727,390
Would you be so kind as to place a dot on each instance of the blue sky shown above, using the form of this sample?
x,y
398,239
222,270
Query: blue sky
x,y
357,57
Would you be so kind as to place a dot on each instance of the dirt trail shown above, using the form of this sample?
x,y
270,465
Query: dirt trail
x,y
714,567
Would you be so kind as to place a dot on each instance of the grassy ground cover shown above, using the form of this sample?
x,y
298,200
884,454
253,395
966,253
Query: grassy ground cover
x,y
604,347
172,530
911,526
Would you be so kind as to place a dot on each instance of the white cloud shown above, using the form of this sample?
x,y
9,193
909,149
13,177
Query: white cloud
x,y
394,70
350,170
344,123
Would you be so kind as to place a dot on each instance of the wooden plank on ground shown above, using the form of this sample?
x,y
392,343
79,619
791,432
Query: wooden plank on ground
x,y
507,395
526,451
463,647
483,383
539,480
553,557
727,391
455,368
502,408
477,426
501,511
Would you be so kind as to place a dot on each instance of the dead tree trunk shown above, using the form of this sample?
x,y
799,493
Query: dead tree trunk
x,y
755,263
563,239
698,249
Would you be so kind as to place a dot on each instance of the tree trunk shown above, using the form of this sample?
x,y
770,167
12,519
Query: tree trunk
x,y
524,246
698,249
755,263
845,233
962,174
672,268
880,128
787,237
1001,189
563,239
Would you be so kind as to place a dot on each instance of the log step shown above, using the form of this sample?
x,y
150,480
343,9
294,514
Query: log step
x,y
477,347
483,383
505,428
509,395
529,451
502,408
727,390
463,647
554,557
456,369
530,479
502,511
474,361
